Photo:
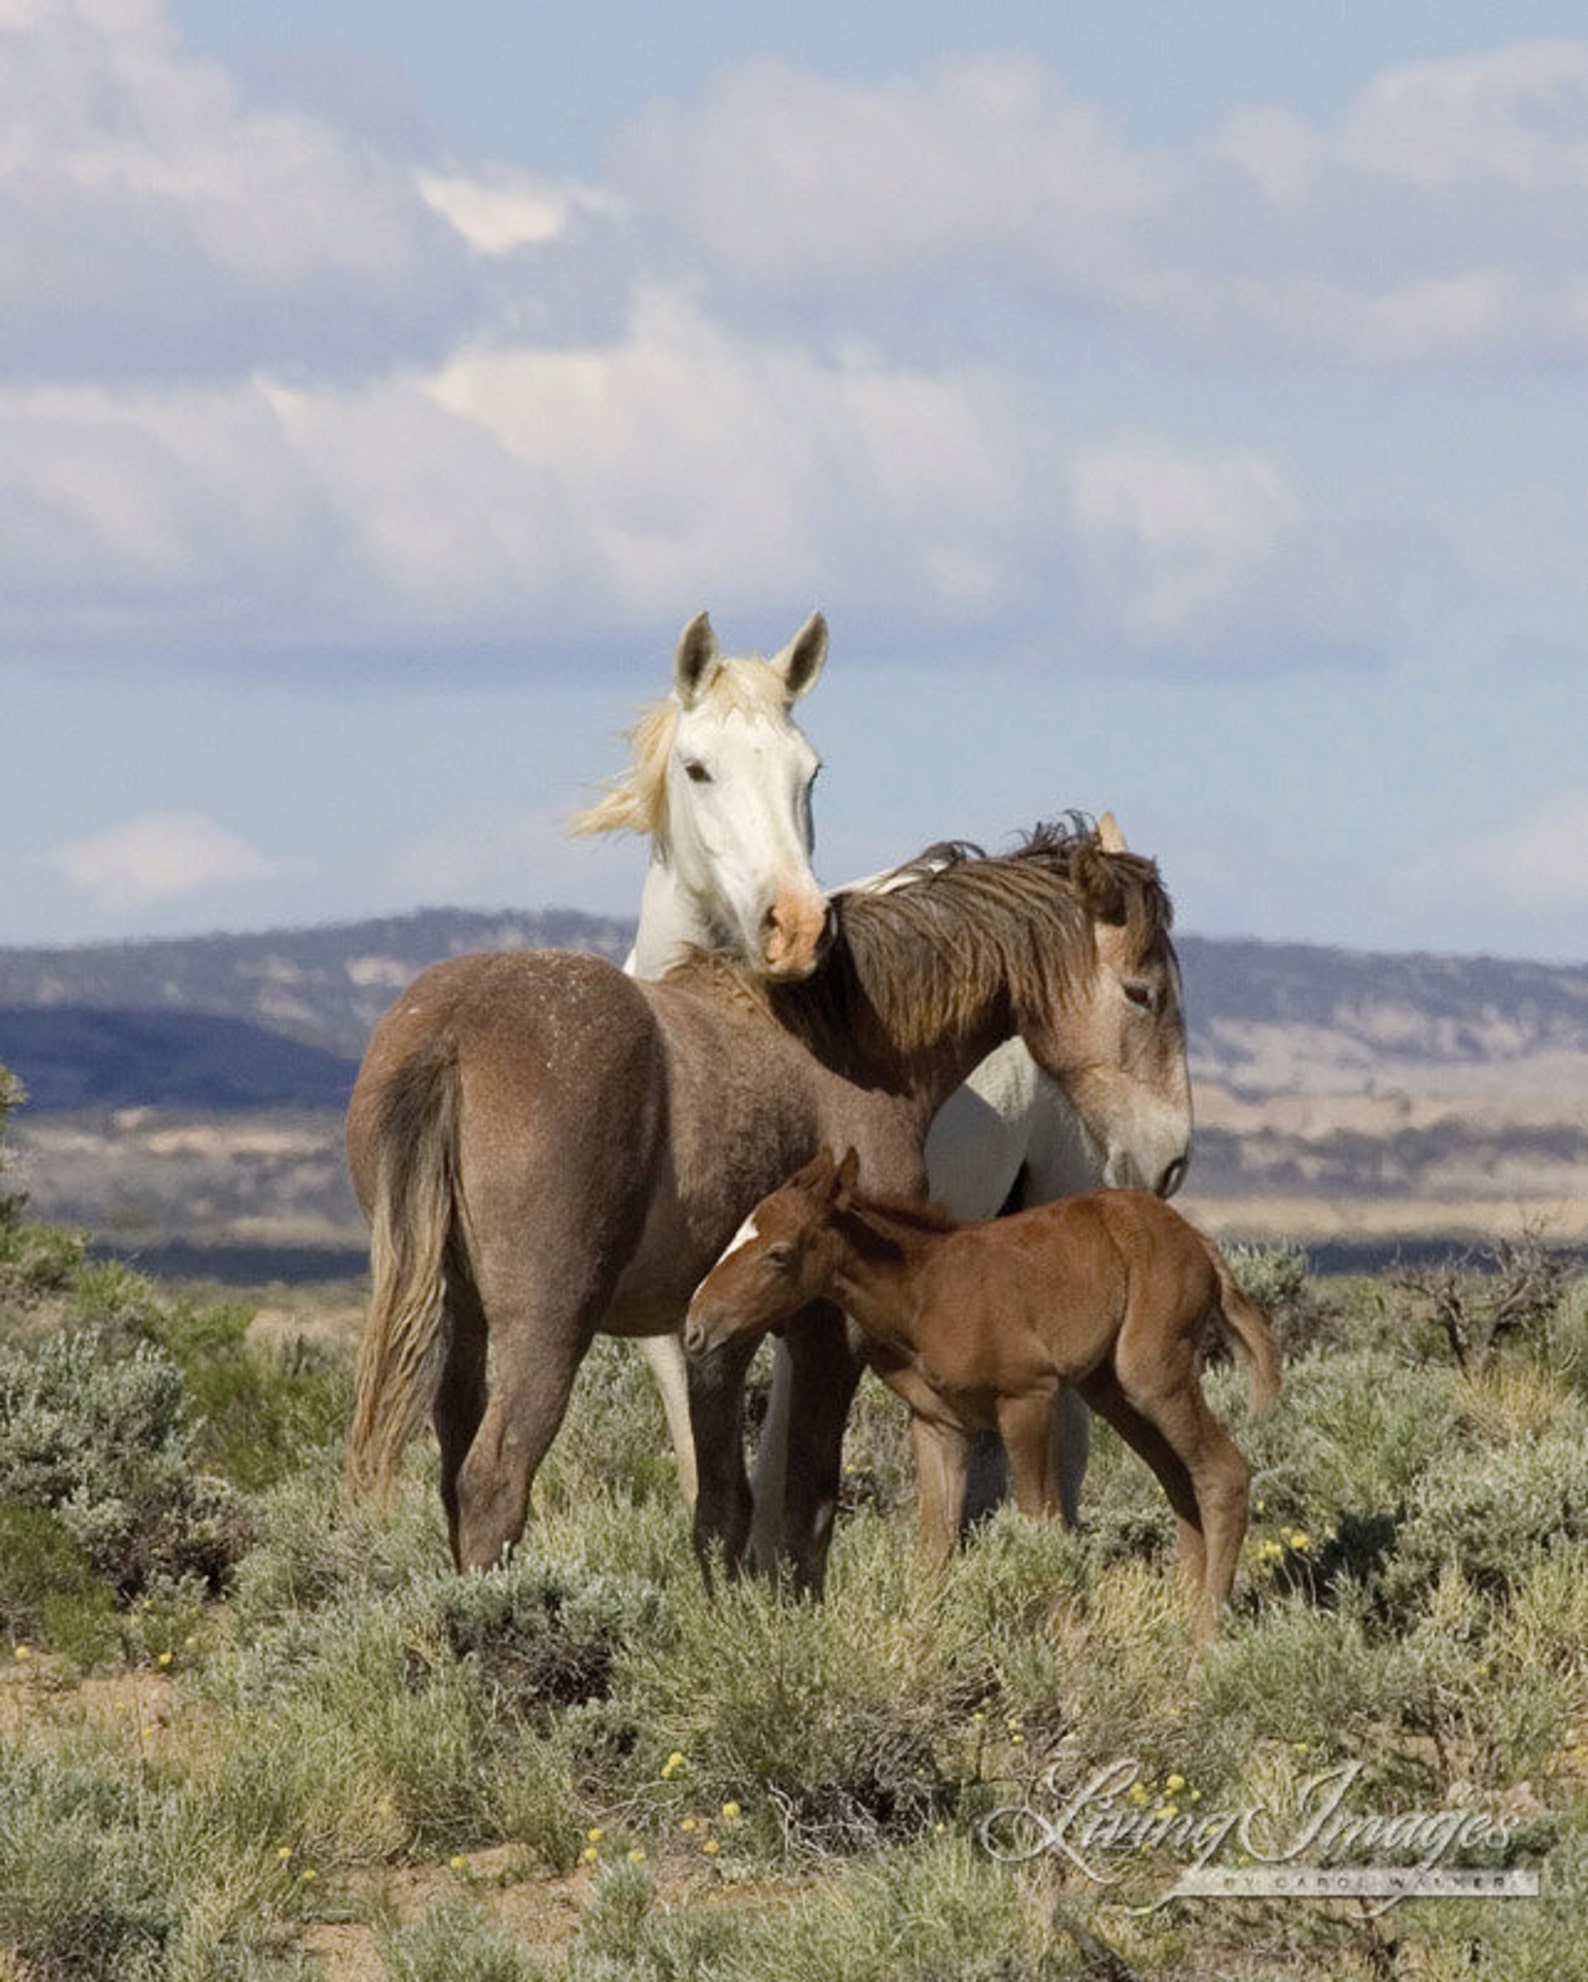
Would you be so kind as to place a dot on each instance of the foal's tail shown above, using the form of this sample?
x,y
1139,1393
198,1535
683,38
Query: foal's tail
x,y
1245,1322
405,1339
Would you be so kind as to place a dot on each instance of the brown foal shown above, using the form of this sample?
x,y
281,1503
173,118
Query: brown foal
x,y
976,1326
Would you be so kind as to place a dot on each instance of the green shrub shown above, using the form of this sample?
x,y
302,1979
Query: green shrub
x,y
38,1259
547,1636
1352,1434
49,1590
101,1437
1275,1277
79,1893
455,1944
11,1096
1492,1521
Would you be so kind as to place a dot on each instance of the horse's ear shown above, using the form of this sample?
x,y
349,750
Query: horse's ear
x,y
848,1173
802,659
697,659
1109,838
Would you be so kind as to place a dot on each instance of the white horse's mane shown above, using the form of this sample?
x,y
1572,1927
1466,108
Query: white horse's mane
x,y
636,800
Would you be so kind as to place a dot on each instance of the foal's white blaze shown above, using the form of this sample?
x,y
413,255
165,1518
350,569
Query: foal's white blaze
x,y
746,1235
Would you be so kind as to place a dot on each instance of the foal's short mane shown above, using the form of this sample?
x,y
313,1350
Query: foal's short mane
x,y
923,953
636,800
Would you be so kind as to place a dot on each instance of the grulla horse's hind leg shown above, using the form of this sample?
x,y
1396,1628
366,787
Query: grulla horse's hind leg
x,y
543,1316
460,1395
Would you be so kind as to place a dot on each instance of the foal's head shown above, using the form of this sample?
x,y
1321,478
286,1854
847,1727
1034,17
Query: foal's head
x,y
780,1260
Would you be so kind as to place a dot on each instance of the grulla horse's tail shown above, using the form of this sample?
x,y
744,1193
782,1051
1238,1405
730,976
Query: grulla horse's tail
x,y
1247,1326
406,1336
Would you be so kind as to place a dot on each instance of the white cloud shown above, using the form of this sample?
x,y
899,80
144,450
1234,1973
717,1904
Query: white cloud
x,y
151,227
525,496
1171,538
498,857
155,859
1440,224
267,395
1535,863
499,210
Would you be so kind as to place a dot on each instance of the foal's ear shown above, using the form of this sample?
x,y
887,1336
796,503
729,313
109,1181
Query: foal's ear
x,y
802,659
697,659
847,1173
1109,837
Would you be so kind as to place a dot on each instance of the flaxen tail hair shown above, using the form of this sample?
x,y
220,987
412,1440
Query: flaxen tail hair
x,y
406,1337
1247,1326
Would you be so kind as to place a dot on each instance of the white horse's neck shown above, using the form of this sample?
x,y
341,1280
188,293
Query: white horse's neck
x,y
673,921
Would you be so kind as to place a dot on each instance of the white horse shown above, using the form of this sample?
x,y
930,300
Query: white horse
x,y
721,781
719,863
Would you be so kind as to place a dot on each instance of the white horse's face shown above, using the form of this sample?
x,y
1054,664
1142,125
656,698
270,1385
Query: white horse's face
x,y
739,777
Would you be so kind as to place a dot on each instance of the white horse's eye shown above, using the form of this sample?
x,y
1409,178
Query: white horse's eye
x,y
696,772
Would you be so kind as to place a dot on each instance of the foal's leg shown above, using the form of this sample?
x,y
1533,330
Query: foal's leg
x,y
1203,1473
1103,1392
1157,1369
942,1453
1025,1424
1071,1434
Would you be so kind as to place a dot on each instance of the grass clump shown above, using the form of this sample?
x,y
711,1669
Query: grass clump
x,y
580,1768
101,1438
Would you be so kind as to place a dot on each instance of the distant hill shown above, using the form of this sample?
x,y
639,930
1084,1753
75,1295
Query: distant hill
x,y
1264,1017
192,1093
321,987
72,1057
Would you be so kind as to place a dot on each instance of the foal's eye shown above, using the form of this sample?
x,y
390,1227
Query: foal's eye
x,y
696,772
780,1256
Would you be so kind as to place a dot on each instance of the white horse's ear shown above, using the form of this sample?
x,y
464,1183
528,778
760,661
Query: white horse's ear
x,y
697,659
1109,837
801,660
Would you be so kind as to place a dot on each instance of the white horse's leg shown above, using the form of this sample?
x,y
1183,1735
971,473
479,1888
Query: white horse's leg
x,y
665,1354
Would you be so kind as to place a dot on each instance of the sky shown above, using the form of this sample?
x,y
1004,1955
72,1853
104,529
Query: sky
x,y
1180,410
